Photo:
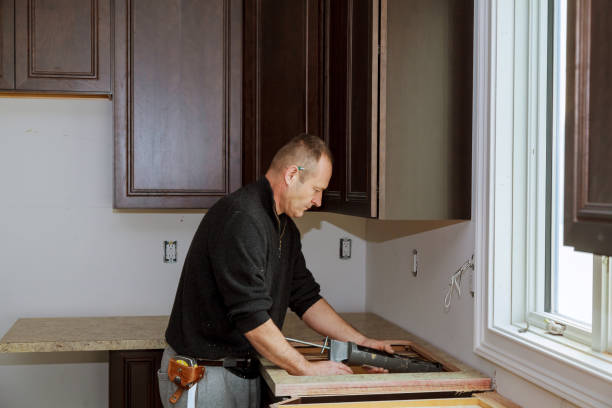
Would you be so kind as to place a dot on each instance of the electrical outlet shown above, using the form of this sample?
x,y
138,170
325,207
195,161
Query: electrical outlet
x,y
345,248
170,251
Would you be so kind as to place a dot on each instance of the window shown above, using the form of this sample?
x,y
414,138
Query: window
x,y
569,305
525,227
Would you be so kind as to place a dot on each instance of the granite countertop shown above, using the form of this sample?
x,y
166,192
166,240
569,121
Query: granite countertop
x,y
85,334
147,332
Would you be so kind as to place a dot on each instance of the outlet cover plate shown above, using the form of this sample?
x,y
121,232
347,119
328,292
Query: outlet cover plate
x,y
170,251
345,248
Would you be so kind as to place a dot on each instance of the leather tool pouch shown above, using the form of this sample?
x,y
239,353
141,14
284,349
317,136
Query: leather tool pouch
x,y
183,376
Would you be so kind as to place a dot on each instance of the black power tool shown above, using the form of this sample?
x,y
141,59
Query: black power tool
x,y
350,353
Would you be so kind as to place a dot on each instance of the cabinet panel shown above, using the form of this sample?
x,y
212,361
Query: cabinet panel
x,y
282,79
426,122
133,379
349,105
7,79
588,191
177,102
62,45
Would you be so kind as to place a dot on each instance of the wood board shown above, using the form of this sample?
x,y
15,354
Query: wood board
x,y
461,379
481,400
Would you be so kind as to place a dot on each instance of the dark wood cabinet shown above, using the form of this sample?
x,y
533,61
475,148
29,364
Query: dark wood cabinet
x,y
7,67
177,102
306,63
55,46
133,379
349,116
395,97
63,45
283,77
588,164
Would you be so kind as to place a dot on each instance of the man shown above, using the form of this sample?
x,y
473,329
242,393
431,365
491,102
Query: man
x,y
243,269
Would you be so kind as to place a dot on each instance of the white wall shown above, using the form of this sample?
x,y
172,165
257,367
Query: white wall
x,y
342,281
417,303
65,252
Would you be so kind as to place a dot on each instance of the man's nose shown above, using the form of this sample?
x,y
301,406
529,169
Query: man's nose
x,y
316,201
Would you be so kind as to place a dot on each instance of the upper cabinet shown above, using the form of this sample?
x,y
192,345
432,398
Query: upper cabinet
x,y
351,109
391,81
7,35
55,46
283,77
177,102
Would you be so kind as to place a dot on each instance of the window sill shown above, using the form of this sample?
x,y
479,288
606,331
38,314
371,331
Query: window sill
x,y
574,331
572,372
571,352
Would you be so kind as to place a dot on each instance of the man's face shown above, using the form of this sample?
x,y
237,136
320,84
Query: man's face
x,y
301,196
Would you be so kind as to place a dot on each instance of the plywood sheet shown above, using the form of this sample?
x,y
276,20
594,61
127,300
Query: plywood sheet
x,y
491,401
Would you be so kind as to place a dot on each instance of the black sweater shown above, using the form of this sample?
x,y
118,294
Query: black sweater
x,y
241,270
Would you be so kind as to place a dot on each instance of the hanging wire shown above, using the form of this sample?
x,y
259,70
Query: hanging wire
x,y
455,282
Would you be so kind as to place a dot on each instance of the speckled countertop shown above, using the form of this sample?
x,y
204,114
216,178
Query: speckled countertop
x,y
85,334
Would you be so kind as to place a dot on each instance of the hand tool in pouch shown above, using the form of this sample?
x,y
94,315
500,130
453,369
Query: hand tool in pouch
x,y
185,373
350,353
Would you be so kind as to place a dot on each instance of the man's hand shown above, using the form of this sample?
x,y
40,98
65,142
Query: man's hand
x,y
377,344
325,368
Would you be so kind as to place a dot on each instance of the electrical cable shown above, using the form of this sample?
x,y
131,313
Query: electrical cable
x,y
455,282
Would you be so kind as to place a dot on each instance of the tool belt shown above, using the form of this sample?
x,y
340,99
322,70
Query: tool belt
x,y
184,373
226,362
246,368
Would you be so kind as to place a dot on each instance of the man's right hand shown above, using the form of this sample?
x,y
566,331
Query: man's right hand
x,y
268,340
325,368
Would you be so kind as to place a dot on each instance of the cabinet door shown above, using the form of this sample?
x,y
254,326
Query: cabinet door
x,y
62,45
133,379
348,91
7,62
177,102
283,77
588,151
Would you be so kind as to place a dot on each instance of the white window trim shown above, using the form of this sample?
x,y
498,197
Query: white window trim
x,y
572,373
602,316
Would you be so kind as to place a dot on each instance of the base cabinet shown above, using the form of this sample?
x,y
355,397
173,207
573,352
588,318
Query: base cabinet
x,y
133,379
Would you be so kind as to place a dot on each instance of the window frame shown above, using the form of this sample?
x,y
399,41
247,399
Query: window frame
x,y
553,155
508,117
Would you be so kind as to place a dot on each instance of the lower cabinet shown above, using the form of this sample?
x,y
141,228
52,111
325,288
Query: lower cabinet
x,y
133,378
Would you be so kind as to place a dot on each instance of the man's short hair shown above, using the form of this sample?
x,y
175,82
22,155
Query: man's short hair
x,y
303,151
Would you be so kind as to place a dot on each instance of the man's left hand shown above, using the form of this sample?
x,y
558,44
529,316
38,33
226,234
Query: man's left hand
x,y
377,344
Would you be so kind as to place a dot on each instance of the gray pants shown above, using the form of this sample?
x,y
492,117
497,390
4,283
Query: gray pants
x,y
218,389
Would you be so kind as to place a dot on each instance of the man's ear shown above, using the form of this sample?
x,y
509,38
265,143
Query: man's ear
x,y
291,174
